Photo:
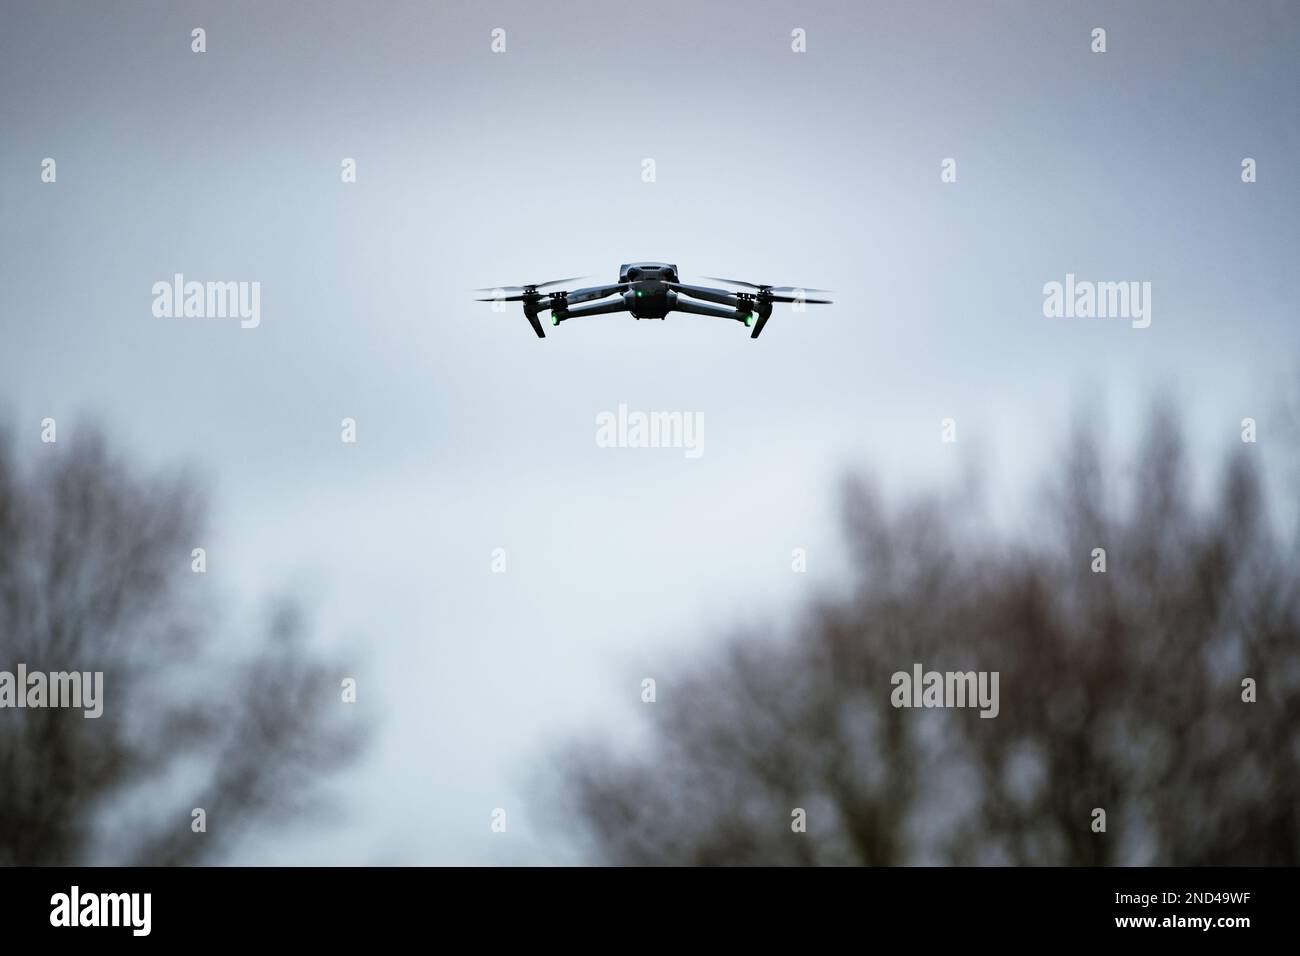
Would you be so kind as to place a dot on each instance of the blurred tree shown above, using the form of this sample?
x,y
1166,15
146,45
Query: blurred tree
x,y
95,575
1118,690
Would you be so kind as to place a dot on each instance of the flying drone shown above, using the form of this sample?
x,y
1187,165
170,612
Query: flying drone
x,y
650,290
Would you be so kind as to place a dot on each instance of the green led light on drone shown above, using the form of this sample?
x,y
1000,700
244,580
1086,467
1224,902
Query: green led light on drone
x,y
639,293
555,319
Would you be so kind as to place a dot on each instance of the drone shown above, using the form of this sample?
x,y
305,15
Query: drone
x,y
650,290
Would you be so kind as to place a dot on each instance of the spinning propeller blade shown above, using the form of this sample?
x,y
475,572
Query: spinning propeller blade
x,y
766,288
528,289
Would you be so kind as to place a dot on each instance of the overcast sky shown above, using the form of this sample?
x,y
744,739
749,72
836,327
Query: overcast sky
x,y
479,169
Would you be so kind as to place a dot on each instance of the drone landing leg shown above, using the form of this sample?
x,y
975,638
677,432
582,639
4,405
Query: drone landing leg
x,y
535,323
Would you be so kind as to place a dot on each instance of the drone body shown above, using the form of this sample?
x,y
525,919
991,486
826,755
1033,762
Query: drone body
x,y
650,290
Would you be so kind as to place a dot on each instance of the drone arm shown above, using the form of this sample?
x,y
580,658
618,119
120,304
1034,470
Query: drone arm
x,y
681,304
596,308
594,292
721,296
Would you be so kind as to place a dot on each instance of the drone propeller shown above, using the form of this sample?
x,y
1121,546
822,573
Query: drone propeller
x,y
529,289
769,297
761,299
763,289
